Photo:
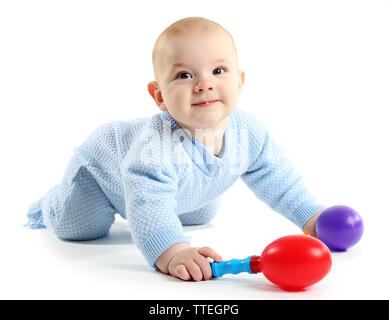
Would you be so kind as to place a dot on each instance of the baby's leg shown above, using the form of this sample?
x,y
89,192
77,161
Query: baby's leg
x,y
76,209
202,215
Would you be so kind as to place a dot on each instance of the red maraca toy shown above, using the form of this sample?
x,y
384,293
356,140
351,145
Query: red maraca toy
x,y
292,262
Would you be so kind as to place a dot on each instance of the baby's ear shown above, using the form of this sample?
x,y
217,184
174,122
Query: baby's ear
x,y
156,94
242,78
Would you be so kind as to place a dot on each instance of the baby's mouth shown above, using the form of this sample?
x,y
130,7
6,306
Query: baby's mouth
x,y
205,103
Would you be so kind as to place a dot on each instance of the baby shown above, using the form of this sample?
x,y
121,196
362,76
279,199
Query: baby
x,y
169,170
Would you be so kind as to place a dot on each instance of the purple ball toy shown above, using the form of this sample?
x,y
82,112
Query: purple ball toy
x,y
339,227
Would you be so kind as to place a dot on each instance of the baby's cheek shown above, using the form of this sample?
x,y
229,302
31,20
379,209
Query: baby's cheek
x,y
174,99
231,98
181,97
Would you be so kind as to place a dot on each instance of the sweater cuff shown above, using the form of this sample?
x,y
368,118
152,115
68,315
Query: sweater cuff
x,y
305,211
159,242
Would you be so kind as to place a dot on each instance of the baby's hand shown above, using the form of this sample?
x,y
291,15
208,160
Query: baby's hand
x,y
310,225
184,262
193,263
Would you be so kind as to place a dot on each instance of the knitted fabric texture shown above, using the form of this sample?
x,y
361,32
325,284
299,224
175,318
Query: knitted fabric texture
x,y
159,177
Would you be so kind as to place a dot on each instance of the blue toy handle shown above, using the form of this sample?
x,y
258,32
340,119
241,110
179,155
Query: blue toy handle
x,y
233,266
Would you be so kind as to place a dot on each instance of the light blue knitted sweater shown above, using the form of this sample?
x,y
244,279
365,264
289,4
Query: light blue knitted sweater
x,y
159,177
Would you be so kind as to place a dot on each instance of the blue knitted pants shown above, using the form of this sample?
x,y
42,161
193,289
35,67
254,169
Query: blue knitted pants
x,y
77,208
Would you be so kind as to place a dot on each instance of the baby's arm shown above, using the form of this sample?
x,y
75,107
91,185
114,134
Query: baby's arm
x,y
150,191
274,180
185,262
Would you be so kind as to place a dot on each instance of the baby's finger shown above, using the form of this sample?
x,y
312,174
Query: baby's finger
x,y
205,267
194,270
209,252
181,272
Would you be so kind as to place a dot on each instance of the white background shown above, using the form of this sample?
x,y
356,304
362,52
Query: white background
x,y
317,74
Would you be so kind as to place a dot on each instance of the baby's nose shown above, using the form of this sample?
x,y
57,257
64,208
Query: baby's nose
x,y
204,85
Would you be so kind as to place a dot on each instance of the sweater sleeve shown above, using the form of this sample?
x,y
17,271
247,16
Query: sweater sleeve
x,y
273,179
149,192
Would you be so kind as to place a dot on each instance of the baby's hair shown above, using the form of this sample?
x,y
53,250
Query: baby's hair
x,y
202,25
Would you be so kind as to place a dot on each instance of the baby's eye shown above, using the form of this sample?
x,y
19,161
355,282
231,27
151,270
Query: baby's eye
x,y
219,70
184,75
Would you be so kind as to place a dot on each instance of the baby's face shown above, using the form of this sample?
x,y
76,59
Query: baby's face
x,y
197,68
